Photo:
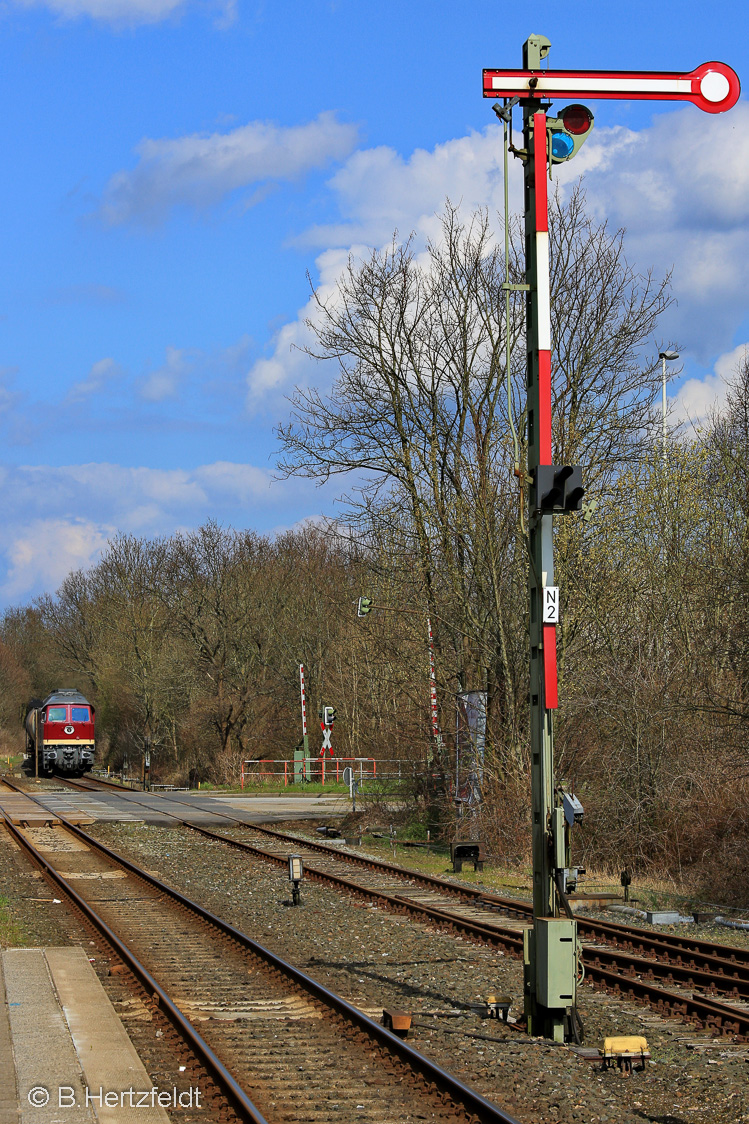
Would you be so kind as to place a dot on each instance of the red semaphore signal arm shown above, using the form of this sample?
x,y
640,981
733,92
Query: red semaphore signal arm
x,y
713,87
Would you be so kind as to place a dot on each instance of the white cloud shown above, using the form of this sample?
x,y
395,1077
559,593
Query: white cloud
x,y
378,191
116,491
691,168
727,365
102,373
696,397
198,171
184,370
242,483
681,190
110,11
126,13
270,378
680,187
57,518
164,382
41,553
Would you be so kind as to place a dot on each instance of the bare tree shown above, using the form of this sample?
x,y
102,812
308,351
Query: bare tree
x,y
215,590
419,413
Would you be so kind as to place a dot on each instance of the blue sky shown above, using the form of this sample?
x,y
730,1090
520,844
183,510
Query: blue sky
x,y
173,169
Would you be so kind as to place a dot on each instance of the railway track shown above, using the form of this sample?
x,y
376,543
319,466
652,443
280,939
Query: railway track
x,y
668,947
636,977
640,966
278,1045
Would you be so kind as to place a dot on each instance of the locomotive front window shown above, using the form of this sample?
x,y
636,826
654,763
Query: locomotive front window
x,y
56,713
79,714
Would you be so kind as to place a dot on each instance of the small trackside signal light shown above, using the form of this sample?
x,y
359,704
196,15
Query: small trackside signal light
x,y
364,606
328,715
296,874
568,132
558,488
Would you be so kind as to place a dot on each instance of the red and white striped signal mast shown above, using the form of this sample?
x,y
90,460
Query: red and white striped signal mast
x,y
550,957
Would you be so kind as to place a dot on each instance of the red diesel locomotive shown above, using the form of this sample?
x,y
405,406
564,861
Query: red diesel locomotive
x,y
60,733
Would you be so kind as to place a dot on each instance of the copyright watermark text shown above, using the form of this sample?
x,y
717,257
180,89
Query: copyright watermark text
x,y
65,1096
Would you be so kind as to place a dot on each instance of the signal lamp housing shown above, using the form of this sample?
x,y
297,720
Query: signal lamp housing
x,y
558,488
568,132
577,119
364,606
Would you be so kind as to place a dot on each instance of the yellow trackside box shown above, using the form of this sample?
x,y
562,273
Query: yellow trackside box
x,y
625,1044
556,965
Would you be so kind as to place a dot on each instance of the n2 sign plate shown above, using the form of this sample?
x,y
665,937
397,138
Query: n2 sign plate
x,y
713,87
551,604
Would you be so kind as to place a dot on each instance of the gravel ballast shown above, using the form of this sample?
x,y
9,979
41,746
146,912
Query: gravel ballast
x,y
376,959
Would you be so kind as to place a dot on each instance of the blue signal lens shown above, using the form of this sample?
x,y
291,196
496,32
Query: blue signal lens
x,y
561,146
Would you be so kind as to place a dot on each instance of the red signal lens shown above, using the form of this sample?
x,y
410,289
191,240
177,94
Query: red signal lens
x,y
577,119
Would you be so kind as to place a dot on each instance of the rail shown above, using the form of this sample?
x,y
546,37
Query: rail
x,y
463,1096
688,962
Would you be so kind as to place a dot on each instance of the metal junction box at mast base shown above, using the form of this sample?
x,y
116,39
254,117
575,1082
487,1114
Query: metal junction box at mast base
x,y
555,961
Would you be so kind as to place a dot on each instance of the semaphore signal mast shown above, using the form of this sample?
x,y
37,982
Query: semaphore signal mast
x,y
550,948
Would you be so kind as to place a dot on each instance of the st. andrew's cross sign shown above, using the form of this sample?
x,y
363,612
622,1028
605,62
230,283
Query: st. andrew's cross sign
x,y
549,949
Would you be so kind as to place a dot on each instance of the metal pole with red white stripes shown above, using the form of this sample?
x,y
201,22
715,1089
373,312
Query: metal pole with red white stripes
x,y
433,682
304,700
436,732
543,665
544,1014
435,715
300,766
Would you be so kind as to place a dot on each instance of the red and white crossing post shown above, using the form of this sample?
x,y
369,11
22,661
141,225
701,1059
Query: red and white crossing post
x,y
301,753
550,957
436,733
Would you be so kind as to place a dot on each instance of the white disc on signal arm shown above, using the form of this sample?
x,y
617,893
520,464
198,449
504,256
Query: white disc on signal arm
x,y
714,87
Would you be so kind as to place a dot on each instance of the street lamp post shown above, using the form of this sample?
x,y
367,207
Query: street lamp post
x,y
665,356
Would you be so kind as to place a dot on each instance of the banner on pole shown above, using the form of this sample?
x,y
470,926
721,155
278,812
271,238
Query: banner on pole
x,y
472,742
